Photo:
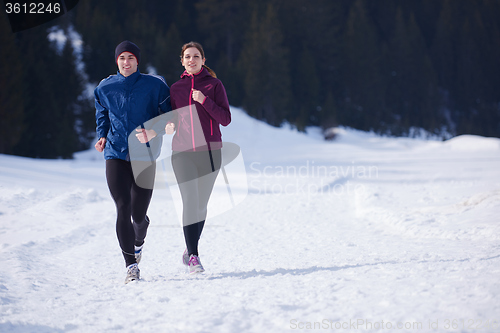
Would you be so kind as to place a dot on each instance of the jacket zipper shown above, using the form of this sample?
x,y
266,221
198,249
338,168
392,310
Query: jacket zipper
x,y
191,111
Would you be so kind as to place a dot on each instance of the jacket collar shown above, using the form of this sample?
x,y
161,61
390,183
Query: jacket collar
x,y
201,73
132,78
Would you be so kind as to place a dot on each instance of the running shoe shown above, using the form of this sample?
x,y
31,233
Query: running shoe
x,y
133,273
195,265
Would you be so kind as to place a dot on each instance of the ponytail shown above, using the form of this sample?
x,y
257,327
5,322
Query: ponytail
x,y
210,71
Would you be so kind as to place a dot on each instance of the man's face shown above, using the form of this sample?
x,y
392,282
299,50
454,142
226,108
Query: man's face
x,y
127,63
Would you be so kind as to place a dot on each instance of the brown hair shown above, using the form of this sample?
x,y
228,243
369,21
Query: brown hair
x,y
200,48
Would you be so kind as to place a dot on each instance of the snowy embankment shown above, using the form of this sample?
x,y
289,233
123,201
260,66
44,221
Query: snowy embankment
x,y
362,233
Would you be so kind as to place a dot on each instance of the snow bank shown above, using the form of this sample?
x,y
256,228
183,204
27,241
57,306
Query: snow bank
x,y
473,143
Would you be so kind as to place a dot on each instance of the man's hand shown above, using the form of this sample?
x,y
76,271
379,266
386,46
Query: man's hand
x,y
145,135
99,146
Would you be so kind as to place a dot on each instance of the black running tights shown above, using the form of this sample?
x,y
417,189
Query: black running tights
x,y
131,201
196,173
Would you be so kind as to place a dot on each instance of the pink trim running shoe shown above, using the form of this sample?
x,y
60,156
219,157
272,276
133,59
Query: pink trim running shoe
x,y
195,265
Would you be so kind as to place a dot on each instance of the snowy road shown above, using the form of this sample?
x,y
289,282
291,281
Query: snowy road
x,y
360,234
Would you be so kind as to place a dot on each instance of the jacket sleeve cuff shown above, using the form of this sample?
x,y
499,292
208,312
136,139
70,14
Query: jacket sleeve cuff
x,y
101,134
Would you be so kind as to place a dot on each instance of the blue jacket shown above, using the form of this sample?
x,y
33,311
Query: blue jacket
x,y
124,103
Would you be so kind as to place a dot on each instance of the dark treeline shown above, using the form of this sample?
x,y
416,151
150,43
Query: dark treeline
x,y
391,66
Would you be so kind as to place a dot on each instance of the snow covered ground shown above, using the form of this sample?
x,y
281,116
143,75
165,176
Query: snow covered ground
x,y
364,233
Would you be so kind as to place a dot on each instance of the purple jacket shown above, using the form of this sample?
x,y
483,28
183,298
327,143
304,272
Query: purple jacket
x,y
214,111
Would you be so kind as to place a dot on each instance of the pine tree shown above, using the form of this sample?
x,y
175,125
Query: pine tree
x,y
11,90
265,60
221,23
361,71
399,64
306,98
39,96
166,55
422,76
412,79
329,113
444,49
63,134
100,24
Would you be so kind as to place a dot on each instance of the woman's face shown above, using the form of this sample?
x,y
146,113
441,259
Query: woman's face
x,y
192,60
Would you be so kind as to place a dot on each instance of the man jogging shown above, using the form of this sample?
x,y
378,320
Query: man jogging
x,y
124,102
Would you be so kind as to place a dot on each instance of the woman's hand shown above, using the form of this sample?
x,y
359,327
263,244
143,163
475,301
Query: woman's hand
x,y
99,146
170,128
145,135
198,96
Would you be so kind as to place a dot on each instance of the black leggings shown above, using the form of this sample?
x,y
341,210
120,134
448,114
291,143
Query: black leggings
x,y
131,201
196,173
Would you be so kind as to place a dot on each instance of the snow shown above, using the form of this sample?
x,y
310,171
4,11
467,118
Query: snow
x,y
361,233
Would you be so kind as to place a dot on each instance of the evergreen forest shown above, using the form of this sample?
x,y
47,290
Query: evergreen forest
x,y
395,67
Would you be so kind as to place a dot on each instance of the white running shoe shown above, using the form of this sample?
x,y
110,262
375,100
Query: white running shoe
x,y
138,253
133,273
195,265
185,258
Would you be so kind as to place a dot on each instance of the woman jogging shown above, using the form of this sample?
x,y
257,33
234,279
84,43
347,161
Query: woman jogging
x,y
197,143
124,102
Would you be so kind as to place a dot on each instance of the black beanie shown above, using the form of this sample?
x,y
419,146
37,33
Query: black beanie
x,y
127,46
